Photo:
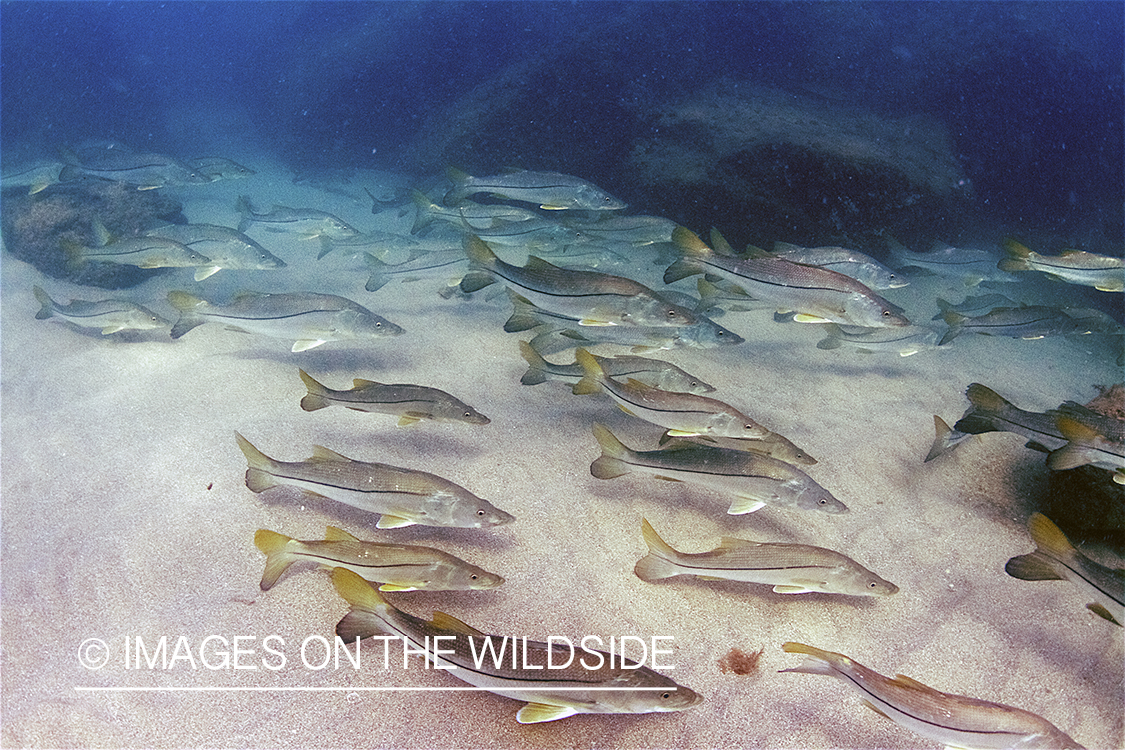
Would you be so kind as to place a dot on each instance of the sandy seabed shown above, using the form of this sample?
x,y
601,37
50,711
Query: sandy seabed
x,y
125,516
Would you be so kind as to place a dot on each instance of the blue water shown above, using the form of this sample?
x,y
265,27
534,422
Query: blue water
x,y
1031,92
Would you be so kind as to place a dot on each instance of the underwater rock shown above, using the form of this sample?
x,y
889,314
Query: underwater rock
x,y
35,227
796,165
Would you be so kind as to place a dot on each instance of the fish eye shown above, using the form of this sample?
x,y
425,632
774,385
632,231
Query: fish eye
x,y
822,501
480,511
886,313
872,585
474,577
665,696
378,324
468,414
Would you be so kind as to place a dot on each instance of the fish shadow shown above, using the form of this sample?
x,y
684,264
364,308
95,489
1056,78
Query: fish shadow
x,y
761,592
341,361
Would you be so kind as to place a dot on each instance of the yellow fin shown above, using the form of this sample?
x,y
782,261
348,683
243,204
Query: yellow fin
x,y
535,713
1102,612
913,684
1072,429
356,591
787,588
305,344
406,420
361,383
745,505
320,453
1049,538
397,587
336,534
808,318
876,709
595,323
682,433
392,522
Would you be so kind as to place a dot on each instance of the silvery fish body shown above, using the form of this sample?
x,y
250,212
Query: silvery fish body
x,y
682,413
411,403
1028,322
142,252
956,721
654,372
589,682
592,298
755,480
475,214
309,318
991,412
402,497
306,222
968,264
860,266
1055,558
1102,272
111,315
418,265
788,568
1087,446
772,445
36,177
216,168
146,171
815,294
633,230
223,246
399,567
903,341
548,190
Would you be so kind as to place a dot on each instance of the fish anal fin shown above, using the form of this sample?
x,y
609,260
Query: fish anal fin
x,y
535,713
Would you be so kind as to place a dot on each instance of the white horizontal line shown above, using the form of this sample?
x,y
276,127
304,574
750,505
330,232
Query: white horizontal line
x,y
257,689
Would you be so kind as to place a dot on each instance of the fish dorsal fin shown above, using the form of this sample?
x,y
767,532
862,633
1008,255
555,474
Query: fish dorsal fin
x,y
320,453
243,294
719,243
362,383
449,622
336,534
753,251
393,522
637,385
728,543
535,263
535,713
911,683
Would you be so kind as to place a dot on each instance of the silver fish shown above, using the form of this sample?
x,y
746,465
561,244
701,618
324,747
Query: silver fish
x,y
610,687
1056,559
308,223
772,445
142,252
146,171
412,403
110,315
1028,322
970,265
475,214
682,413
402,497
549,190
903,341
860,266
991,412
1102,272
654,372
399,567
636,230
223,246
956,721
536,234
418,265
789,568
593,298
216,168
309,318
1087,446
815,294
36,177
755,480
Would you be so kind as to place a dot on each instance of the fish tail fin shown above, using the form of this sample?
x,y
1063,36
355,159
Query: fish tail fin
x,y
45,300
1033,567
681,269
258,464
611,463
460,180
363,621
984,398
1049,538
278,559
1018,255
818,661
955,321
657,564
326,246
424,216
186,304
536,365
478,251
315,398
377,280
75,258
942,434
523,314
689,242
246,209
591,382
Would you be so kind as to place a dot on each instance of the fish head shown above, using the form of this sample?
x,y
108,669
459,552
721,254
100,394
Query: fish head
x,y
673,697
593,198
477,579
355,324
707,334
456,411
472,512
859,581
815,497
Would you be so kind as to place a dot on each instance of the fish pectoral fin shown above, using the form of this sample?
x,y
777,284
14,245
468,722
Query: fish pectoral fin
x,y
408,419
682,433
596,323
792,588
112,329
744,505
1102,612
535,713
710,578
807,318
393,522
668,479
397,587
306,344
203,272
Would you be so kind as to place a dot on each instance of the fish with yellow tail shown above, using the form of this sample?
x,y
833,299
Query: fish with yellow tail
x,y
755,480
399,567
411,403
564,684
683,414
1102,272
789,568
956,721
402,497
1055,558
